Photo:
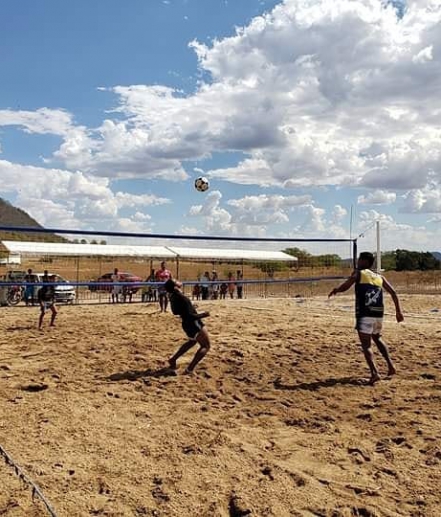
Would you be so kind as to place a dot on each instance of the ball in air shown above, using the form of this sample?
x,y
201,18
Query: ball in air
x,y
201,184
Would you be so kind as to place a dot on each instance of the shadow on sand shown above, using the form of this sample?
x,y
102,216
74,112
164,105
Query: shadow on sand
x,y
133,375
21,327
314,386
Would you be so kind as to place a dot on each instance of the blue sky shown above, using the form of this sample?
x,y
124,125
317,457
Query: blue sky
x,y
298,112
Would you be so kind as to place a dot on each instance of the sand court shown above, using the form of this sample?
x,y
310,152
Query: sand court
x,y
278,420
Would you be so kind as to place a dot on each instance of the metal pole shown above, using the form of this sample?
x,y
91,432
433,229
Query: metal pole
x,y
78,279
378,248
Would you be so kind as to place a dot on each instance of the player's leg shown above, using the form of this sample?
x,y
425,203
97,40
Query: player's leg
x,y
165,302
183,349
366,345
41,318
384,351
204,341
53,315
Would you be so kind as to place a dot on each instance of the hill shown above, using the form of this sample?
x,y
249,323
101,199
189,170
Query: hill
x,y
436,254
13,216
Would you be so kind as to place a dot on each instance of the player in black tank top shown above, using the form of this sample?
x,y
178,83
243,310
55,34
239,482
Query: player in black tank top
x,y
191,323
369,310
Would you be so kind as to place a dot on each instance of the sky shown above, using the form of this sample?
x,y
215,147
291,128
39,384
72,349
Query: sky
x,y
310,118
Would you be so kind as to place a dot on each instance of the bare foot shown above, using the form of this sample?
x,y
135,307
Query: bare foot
x,y
188,372
391,371
375,378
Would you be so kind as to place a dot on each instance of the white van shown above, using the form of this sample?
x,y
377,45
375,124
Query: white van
x,y
64,293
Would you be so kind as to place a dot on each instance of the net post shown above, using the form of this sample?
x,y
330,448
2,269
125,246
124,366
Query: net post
x,y
378,247
354,253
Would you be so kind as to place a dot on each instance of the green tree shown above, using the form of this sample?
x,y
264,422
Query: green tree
x,y
389,260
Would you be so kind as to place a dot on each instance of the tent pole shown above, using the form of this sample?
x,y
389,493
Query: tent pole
x,y
78,278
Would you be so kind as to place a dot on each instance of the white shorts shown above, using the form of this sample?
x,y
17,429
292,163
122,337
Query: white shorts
x,y
369,325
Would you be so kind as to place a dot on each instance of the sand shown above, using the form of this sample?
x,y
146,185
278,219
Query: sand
x,y
279,420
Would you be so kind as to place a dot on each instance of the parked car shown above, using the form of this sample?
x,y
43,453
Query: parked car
x,y
64,293
123,277
13,295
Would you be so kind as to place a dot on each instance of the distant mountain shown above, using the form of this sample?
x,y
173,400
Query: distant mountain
x,y
13,216
436,254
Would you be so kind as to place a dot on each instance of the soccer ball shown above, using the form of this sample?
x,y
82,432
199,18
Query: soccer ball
x,y
201,184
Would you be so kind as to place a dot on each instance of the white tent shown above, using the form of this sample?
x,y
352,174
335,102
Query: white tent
x,y
226,254
83,250
158,252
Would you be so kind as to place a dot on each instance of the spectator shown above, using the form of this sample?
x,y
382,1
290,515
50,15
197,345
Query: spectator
x,y
149,292
231,285
214,285
127,294
29,294
196,293
205,286
239,284
162,275
116,289
223,290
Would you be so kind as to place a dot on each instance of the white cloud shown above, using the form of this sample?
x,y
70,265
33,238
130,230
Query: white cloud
x,y
339,213
312,93
60,198
427,200
394,235
377,197
250,216
41,121
424,55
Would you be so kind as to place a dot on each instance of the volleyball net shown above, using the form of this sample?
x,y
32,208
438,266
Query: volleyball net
x,y
84,263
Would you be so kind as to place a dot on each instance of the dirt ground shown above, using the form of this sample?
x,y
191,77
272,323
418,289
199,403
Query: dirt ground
x,y
278,421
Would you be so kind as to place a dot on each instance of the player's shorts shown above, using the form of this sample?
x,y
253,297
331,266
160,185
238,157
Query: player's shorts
x,y
46,306
192,328
369,325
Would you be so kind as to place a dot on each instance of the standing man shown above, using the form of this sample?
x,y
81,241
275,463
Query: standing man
x,y
191,324
116,289
239,284
29,296
162,275
46,299
369,310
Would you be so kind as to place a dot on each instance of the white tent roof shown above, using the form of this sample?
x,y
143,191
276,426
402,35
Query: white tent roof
x,y
231,254
116,250
77,250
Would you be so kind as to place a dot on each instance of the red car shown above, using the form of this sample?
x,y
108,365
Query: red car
x,y
122,277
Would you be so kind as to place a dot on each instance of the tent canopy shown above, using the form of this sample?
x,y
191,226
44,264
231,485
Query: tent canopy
x,y
158,252
231,254
89,250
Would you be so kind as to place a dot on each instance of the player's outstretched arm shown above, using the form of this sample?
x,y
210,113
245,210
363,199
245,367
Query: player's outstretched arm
x,y
388,287
345,285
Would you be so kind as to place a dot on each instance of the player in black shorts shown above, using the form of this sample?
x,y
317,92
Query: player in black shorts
x,y
46,299
191,323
